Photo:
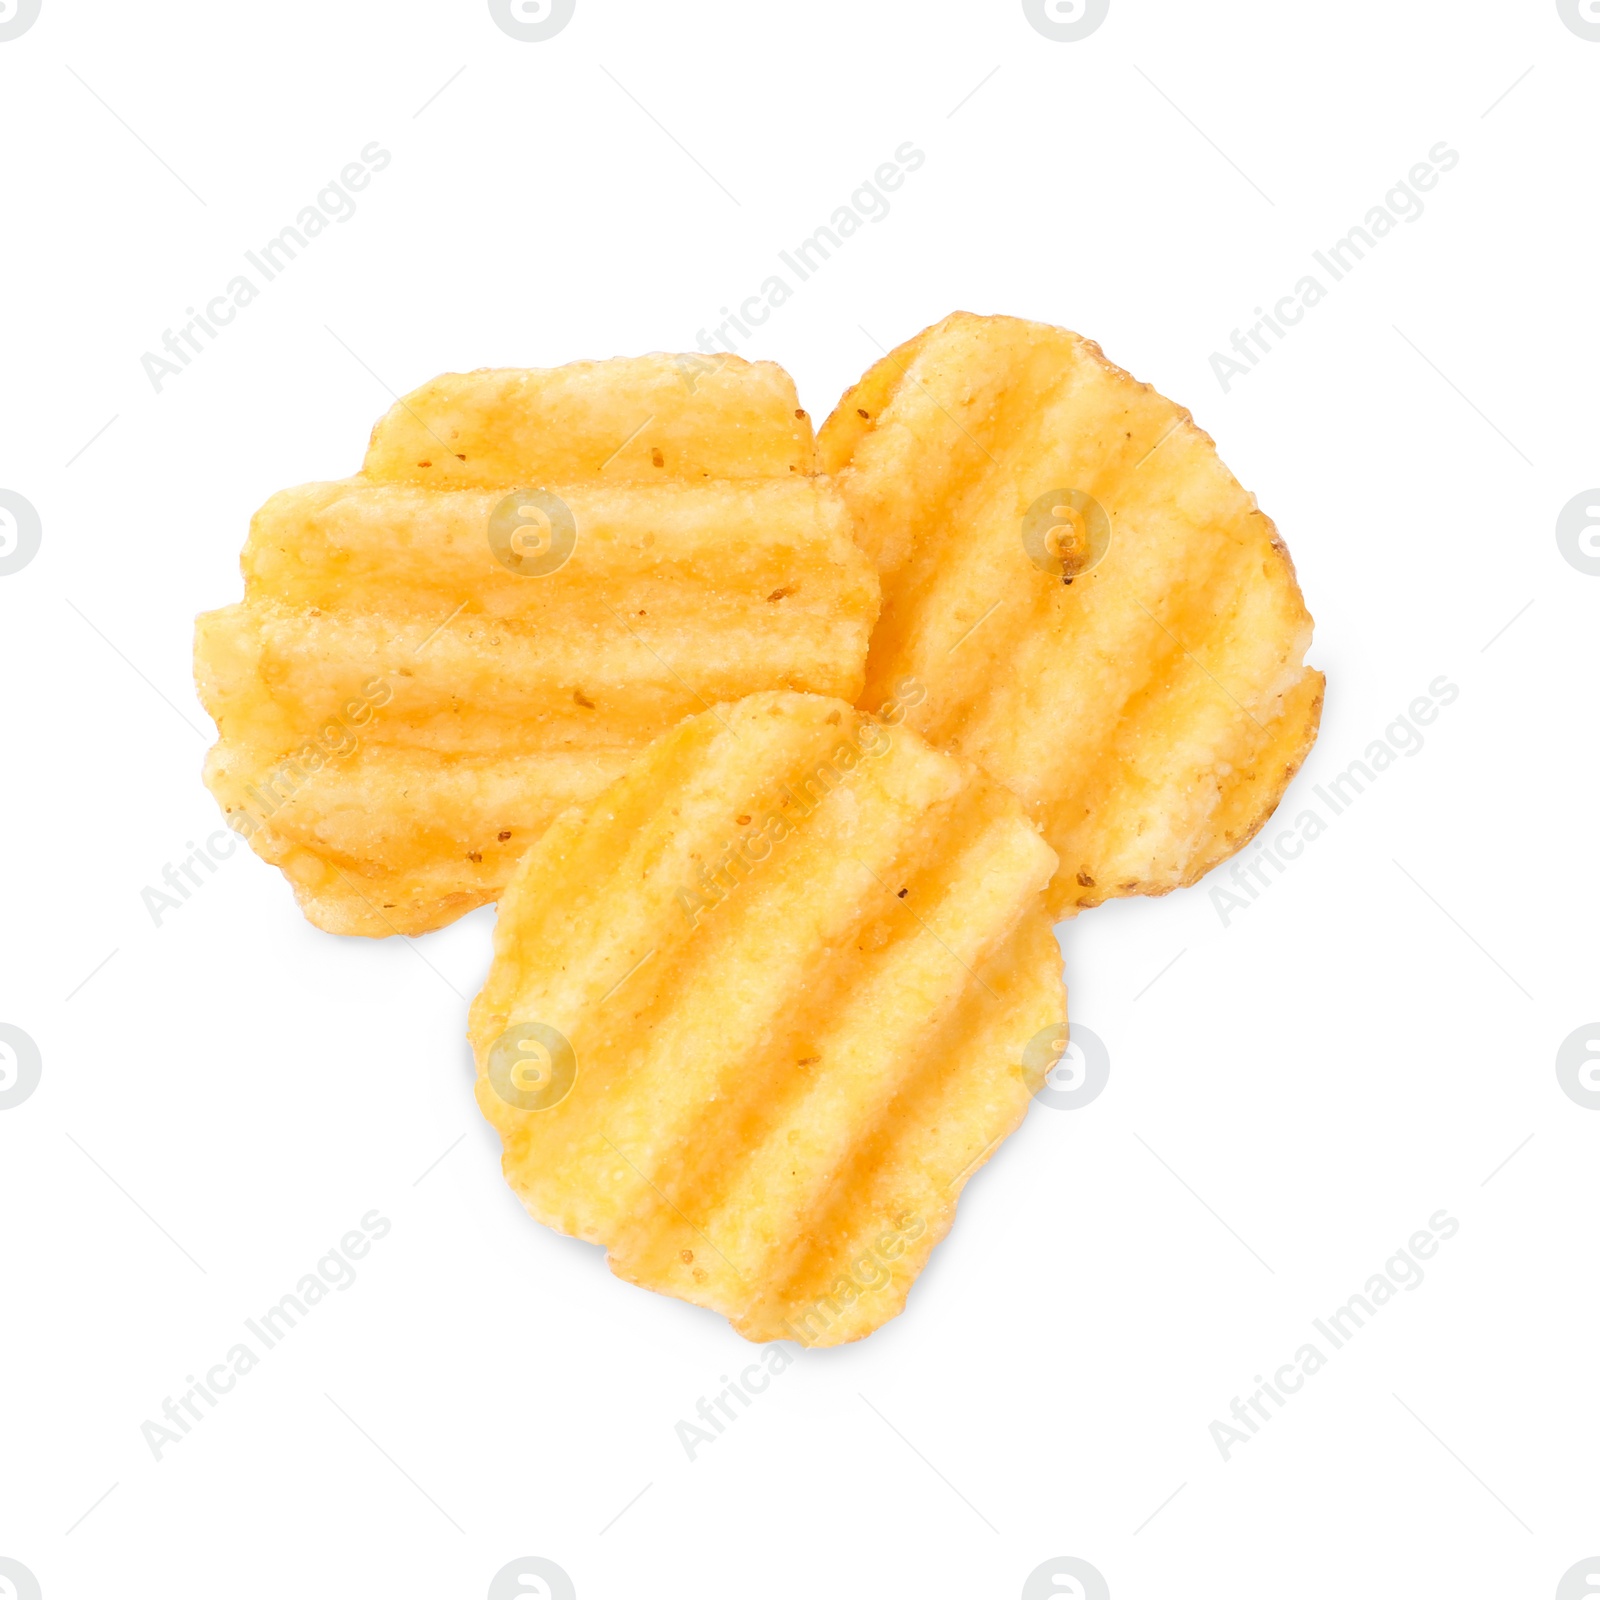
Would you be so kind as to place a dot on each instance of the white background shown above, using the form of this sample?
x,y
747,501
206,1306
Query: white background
x,y
1290,1099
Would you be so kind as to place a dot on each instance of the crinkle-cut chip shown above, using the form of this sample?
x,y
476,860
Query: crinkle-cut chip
x,y
642,419
401,712
1101,617
759,1010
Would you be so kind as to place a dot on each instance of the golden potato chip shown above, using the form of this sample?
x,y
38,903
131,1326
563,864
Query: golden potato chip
x,y
759,1010
420,677
1102,618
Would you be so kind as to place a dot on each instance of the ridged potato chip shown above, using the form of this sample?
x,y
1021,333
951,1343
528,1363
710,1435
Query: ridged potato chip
x,y
1102,618
759,1009
435,658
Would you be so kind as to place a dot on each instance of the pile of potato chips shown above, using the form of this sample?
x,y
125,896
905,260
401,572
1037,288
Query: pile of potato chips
x,y
780,753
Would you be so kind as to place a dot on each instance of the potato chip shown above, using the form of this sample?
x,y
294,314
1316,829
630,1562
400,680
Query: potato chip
x,y
759,1009
420,676
1101,616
